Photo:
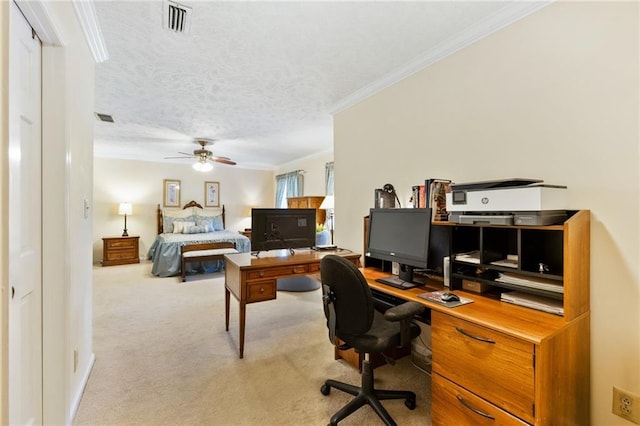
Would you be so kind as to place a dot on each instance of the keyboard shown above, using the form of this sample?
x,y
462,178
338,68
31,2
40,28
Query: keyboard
x,y
397,283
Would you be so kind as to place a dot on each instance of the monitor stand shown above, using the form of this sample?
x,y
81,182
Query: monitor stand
x,y
404,280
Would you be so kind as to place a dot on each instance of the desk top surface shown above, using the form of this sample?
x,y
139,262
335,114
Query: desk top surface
x,y
284,257
528,324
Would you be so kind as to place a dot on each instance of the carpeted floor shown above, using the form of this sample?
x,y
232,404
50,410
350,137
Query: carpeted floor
x,y
164,358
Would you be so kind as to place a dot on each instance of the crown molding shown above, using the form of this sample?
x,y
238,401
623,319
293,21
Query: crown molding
x,y
86,14
506,16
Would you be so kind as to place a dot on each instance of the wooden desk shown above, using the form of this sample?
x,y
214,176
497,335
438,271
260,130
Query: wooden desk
x,y
506,361
253,279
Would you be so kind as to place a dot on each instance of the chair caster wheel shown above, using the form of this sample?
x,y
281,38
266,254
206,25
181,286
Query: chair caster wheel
x,y
410,404
327,389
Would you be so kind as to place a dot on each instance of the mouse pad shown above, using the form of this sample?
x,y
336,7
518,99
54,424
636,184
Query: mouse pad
x,y
435,296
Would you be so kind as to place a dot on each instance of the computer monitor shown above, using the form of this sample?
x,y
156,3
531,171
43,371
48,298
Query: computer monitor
x,y
273,229
400,235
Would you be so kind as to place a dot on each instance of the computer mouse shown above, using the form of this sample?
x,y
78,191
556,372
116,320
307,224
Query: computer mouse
x,y
449,297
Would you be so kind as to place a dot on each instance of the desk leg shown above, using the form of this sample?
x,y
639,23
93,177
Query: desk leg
x,y
242,321
227,298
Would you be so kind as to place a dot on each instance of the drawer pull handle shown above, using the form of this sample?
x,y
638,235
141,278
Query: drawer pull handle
x,y
261,273
261,289
475,410
482,339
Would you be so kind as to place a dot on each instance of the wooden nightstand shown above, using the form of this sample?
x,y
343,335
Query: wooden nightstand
x,y
120,251
246,233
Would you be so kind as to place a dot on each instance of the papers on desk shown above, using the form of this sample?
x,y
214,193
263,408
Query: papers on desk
x,y
531,282
469,257
540,303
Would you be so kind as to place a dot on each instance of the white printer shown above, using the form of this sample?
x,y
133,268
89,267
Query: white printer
x,y
507,202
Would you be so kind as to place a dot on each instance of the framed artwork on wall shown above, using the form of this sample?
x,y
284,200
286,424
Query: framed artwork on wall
x,y
212,194
171,193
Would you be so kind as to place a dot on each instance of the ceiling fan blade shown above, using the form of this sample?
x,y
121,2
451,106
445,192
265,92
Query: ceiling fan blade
x,y
185,153
223,160
172,158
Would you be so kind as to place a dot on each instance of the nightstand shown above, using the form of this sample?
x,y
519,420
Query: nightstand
x,y
120,251
246,233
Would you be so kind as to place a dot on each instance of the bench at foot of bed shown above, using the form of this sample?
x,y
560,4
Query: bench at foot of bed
x,y
203,252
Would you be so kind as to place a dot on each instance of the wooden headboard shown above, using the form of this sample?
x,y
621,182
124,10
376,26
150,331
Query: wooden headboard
x,y
191,203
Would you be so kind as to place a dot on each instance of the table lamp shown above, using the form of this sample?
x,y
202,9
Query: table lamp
x,y
125,209
327,204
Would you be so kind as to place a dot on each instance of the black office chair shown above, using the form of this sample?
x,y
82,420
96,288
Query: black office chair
x,y
348,307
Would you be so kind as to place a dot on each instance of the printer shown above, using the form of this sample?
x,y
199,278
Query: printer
x,y
507,202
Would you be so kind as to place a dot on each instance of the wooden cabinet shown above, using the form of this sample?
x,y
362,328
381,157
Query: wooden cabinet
x,y
514,364
308,202
120,251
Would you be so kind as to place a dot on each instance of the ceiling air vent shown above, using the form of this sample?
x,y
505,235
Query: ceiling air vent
x,y
105,117
177,17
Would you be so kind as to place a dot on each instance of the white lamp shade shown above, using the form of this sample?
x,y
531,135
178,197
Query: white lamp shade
x,y
125,208
327,203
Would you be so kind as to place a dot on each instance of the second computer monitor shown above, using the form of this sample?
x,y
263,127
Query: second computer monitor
x,y
400,235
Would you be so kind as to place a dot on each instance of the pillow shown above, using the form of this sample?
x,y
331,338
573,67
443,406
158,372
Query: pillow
x,y
167,223
196,229
206,224
179,226
217,223
169,216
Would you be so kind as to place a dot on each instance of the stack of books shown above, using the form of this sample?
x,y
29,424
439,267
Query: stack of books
x,y
432,194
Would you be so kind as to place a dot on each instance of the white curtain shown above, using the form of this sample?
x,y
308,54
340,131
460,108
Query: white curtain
x,y
328,178
288,185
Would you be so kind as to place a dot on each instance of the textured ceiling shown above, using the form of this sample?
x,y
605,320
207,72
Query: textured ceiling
x,y
259,77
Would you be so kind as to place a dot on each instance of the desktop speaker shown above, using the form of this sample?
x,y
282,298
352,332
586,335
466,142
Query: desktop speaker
x,y
447,271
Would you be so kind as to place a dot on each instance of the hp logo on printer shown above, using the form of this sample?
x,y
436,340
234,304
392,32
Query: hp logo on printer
x,y
485,200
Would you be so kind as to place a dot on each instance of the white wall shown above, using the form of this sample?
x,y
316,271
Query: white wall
x,y
141,183
314,169
553,96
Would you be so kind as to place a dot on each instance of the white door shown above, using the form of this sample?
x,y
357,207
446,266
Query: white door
x,y
25,224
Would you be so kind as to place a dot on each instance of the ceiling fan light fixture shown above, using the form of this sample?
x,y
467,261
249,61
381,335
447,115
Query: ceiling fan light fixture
x,y
202,166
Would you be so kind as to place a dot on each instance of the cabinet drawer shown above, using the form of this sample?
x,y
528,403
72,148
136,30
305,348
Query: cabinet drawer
x,y
261,290
278,272
493,365
121,254
120,243
453,405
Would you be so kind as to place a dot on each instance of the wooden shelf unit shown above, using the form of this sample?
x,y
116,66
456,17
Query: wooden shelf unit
x,y
309,202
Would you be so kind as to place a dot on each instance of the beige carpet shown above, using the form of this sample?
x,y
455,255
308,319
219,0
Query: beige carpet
x,y
164,358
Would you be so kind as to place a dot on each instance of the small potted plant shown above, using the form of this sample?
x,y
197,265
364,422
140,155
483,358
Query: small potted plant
x,y
322,235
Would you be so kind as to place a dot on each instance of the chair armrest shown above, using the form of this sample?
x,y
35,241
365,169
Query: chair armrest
x,y
405,311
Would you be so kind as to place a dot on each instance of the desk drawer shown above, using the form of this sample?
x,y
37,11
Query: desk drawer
x,y
121,243
258,291
278,272
493,365
453,405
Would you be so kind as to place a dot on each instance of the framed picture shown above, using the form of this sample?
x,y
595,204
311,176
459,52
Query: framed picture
x,y
171,193
212,194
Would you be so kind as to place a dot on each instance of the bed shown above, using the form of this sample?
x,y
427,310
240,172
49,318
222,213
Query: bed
x,y
192,224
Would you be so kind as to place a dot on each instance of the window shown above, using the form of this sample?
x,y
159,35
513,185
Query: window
x,y
288,185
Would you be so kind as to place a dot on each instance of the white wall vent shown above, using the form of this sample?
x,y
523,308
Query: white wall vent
x,y
177,17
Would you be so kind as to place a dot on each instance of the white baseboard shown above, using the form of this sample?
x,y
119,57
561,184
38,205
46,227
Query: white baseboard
x,y
75,401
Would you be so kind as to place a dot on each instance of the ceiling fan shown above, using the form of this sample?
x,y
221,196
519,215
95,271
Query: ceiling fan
x,y
204,156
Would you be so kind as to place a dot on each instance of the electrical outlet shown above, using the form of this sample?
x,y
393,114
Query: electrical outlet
x,y
626,405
